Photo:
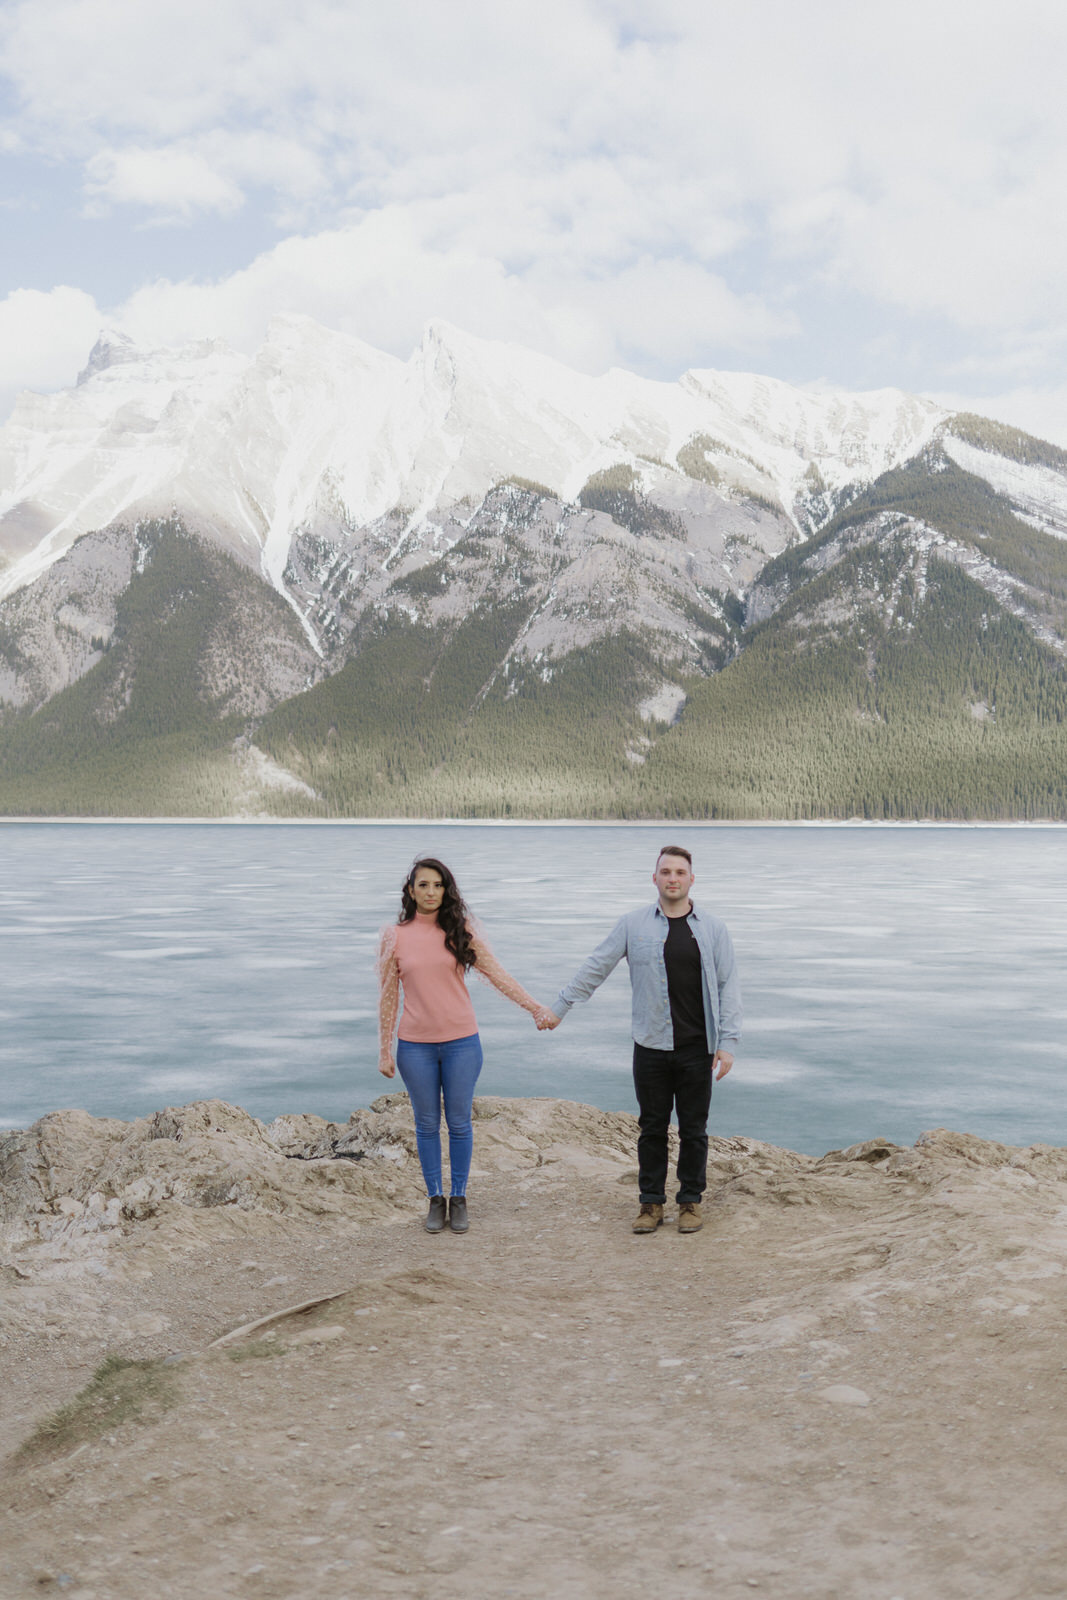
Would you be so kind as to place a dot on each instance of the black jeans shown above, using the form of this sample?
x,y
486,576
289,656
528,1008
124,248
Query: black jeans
x,y
666,1081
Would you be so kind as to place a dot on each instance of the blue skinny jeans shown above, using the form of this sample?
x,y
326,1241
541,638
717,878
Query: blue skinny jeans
x,y
431,1072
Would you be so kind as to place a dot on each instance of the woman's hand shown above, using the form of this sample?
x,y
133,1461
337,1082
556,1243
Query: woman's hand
x,y
386,1065
545,1018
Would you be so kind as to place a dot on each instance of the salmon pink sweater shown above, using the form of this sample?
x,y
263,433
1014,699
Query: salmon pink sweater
x,y
437,1007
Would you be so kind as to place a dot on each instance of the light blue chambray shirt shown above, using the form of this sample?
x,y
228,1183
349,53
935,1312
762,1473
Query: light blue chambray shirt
x,y
640,937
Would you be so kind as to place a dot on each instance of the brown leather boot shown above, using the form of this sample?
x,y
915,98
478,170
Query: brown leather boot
x,y
649,1218
689,1218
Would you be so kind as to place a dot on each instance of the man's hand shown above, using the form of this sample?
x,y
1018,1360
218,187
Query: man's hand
x,y
386,1065
721,1065
545,1019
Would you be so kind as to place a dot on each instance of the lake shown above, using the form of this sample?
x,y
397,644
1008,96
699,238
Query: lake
x,y
895,978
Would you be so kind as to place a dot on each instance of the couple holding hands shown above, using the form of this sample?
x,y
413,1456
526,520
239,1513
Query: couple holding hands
x,y
686,1024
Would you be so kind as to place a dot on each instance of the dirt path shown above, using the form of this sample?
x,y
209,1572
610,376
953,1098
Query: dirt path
x,y
550,1406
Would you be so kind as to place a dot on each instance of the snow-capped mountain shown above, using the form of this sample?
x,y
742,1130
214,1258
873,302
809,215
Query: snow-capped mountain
x,y
476,581
318,429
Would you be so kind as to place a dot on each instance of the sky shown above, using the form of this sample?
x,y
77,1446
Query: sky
x,y
849,193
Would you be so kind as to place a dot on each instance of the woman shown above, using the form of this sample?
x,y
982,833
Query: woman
x,y
427,953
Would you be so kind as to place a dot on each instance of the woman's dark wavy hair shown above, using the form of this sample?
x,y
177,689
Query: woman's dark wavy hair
x,y
452,914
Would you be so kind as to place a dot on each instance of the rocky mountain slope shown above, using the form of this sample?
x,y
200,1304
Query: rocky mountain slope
x,y
506,587
212,1324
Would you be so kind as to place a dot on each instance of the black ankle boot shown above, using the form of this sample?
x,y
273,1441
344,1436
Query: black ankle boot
x,y
436,1216
457,1214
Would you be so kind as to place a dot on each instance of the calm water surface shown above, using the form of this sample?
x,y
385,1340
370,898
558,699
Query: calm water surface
x,y
895,979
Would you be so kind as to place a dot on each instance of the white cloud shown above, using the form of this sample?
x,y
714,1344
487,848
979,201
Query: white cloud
x,y
376,278
606,179
44,339
170,183
373,280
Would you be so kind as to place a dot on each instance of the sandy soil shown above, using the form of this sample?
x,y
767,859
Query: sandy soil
x,y
850,1384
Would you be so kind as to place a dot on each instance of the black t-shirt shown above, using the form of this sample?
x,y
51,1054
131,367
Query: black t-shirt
x,y
681,957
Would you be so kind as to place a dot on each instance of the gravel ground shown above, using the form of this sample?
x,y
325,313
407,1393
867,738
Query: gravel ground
x,y
849,1384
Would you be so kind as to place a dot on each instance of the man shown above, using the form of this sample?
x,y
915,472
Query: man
x,y
686,1025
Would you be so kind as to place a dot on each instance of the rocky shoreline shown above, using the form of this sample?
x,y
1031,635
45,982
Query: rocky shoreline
x,y
851,1382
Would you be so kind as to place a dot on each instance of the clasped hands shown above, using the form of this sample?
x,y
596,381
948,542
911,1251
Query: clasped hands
x,y
543,1017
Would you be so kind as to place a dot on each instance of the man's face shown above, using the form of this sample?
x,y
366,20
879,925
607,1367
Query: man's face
x,y
673,878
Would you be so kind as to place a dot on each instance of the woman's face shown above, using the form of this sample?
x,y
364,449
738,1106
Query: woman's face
x,y
427,890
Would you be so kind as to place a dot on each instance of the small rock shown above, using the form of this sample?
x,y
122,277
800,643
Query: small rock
x,y
843,1394
322,1335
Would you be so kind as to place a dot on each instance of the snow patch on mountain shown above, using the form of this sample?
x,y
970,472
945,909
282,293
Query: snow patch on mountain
x,y
847,438
260,776
664,705
1038,493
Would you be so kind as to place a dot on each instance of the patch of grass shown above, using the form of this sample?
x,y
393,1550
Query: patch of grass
x,y
256,1350
119,1391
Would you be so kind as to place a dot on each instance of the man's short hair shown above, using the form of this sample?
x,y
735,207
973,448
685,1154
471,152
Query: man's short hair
x,y
674,850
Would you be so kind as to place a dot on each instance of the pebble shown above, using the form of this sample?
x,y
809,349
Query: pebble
x,y
318,1335
843,1394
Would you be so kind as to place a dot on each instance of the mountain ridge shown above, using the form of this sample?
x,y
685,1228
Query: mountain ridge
x,y
515,590
316,417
